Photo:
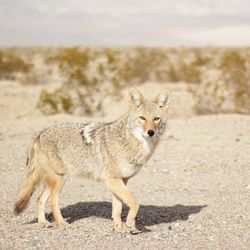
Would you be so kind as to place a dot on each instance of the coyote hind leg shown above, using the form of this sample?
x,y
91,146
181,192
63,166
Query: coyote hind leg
x,y
41,201
56,186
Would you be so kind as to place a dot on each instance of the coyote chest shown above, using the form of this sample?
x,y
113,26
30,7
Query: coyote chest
x,y
136,158
128,169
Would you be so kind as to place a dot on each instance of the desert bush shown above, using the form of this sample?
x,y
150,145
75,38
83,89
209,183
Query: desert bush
x,y
90,73
235,72
79,86
98,72
199,59
73,64
89,103
186,66
141,65
181,72
56,101
10,64
167,74
226,89
189,73
65,100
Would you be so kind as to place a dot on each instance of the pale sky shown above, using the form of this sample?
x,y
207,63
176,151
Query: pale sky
x,y
125,22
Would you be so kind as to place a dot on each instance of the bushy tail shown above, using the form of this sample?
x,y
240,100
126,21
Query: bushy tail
x,y
30,183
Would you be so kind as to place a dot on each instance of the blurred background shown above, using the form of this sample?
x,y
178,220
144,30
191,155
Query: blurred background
x,y
83,55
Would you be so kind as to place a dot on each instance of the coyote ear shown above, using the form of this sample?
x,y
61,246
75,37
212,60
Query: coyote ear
x,y
163,98
135,97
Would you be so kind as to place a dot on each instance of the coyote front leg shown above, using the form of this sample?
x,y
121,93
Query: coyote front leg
x,y
117,212
116,215
122,194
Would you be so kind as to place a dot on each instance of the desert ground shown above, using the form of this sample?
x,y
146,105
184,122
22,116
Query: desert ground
x,y
194,192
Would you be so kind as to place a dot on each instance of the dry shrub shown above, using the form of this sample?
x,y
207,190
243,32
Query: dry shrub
x,y
57,101
189,73
89,104
94,73
141,65
11,64
199,59
235,72
226,89
219,84
181,72
79,89
65,100
186,66
91,74
73,64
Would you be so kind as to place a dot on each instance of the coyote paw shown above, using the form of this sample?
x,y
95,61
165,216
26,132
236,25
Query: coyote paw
x,y
133,230
121,229
64,225
44,224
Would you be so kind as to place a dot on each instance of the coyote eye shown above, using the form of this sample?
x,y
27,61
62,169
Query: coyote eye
x,y
142,118
156,119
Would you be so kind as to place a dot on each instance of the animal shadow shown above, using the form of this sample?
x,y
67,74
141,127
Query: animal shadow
x,y
148,215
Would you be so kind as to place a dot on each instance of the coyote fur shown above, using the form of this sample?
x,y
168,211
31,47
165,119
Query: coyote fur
x,y
112,152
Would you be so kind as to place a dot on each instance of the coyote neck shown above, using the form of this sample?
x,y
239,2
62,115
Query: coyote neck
x,y
137,148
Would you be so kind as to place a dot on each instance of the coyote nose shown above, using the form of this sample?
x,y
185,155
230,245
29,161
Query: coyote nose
x,y
151,132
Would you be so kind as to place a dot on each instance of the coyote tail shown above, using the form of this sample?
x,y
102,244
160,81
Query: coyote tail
x,y
31,180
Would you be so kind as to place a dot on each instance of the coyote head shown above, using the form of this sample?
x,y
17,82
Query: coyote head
x,y
147,118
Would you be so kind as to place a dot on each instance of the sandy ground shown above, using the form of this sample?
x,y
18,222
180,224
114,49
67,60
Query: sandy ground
x,y
194,192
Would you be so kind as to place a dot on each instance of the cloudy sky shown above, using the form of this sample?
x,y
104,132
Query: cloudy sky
x,y
125,22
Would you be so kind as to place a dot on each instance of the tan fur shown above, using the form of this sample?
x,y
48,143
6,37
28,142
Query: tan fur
x,y
112,152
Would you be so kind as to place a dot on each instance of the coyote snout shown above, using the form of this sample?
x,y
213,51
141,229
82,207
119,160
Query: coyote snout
x,y
151,132
112,152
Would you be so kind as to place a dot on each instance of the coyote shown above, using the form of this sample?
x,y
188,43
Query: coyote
x,y
112,152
